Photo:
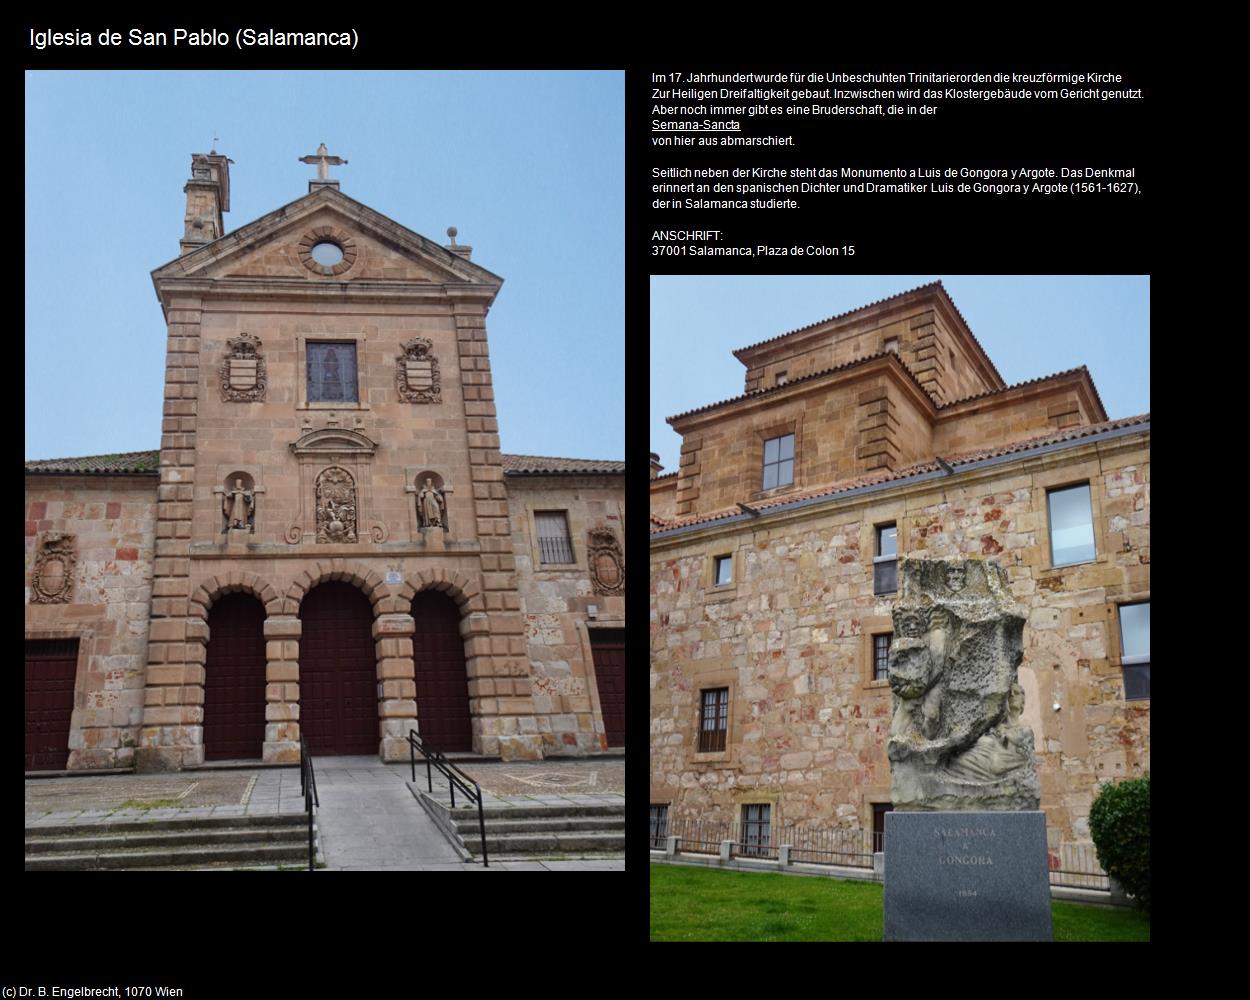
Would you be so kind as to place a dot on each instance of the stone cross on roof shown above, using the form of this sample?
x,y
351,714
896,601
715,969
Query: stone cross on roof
x,y
323,160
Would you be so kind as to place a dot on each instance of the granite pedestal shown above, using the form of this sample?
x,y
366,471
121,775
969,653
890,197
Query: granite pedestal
x,y
966,876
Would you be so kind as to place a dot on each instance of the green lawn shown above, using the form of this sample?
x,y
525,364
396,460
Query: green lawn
x,y
699,904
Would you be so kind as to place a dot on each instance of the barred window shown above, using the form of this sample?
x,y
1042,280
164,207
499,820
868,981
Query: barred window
x,y
714,718
755,832
554,544
881,656
659,825
331,373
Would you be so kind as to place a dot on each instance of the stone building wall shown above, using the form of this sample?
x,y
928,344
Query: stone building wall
x,y
556,602
112,520
791,638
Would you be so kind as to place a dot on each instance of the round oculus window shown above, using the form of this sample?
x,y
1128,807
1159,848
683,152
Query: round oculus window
x,y
326,253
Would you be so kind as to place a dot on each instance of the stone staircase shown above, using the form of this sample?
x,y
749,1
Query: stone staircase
x,y
171,844
536,829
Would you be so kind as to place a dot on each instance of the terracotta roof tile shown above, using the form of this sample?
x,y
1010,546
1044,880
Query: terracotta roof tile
x,y
885,476
539,465
804,378
127,462
149,462
1030,381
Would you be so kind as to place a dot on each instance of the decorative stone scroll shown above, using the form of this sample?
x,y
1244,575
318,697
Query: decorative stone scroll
x,y
336,506
607,563
54,569
416,372
243,371
956,740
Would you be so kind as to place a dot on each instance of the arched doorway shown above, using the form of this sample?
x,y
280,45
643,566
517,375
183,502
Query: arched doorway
x,y
234,679
338,677
442,680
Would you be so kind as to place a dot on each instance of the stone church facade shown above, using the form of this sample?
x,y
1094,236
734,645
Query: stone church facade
x,y
885,432
329,542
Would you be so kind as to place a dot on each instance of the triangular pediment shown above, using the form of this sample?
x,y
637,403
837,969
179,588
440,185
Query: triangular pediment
x,y
377,250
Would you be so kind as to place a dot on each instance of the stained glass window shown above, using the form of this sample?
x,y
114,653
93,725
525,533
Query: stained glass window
x,y
332,373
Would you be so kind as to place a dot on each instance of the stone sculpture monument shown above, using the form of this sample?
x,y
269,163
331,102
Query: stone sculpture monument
x,y
956,740
965,847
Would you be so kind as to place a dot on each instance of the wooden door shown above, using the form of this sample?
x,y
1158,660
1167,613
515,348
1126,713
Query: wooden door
x,y
51,668
608,648
234,680
442,680
338,677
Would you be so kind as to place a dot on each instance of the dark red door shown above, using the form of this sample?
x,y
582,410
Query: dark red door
x,y
442,680
338,677
51,666
234,680
608,647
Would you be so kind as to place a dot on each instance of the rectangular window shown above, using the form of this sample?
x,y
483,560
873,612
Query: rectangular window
x,y
885,562
724,571
779,461
1071,525
881,656
659,826
1135,649
781,378
714,722
554,544
331,373
891,345
755,829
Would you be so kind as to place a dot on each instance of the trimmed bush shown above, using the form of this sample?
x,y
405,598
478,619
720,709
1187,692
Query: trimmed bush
x,y
1119,822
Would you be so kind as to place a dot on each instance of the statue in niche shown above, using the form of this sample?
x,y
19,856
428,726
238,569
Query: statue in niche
x,y
239,507
956,738
431,506
336,506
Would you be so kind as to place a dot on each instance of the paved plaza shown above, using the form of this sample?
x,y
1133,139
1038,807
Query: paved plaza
x,y
368,818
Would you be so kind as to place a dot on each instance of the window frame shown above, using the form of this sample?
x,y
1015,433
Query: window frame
x,y
793,460
717,563
303,340
889,639
880,560
720,714
758,842
661,843
1135,660
1050,523
568,539
308,352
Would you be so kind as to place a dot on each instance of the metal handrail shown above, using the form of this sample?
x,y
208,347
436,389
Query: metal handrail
x,y
456,778
308,788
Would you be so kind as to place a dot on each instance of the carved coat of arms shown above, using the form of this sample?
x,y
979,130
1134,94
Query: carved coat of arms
x,y
336,506
416,372
243,370
54,569
607,563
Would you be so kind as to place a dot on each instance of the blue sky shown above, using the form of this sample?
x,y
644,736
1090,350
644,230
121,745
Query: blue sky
x,y
1030,326
528,166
